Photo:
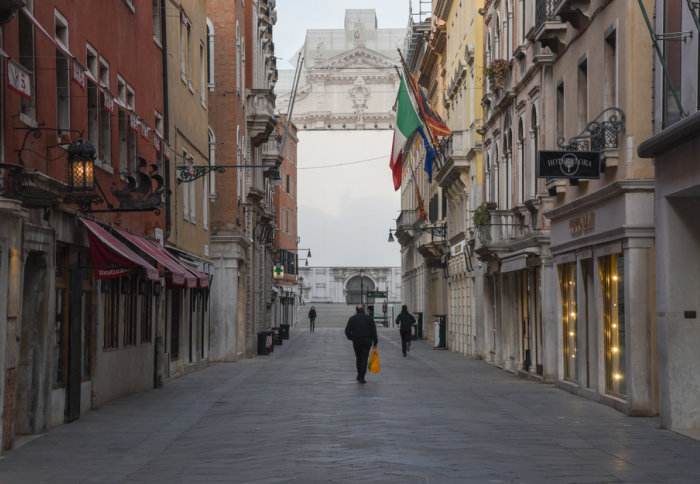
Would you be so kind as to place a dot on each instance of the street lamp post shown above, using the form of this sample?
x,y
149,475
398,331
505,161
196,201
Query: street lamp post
x,y
361,286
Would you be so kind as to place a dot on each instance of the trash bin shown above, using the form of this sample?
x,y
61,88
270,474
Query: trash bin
x,y
276,336
268,341
284,329
262,346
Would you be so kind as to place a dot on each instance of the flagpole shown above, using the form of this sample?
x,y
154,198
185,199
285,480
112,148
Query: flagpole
x,y
413,173
424,124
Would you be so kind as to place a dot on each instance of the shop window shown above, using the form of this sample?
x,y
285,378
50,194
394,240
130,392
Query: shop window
x,y
110,293
567,285
146,291
611,269
175,312
131,315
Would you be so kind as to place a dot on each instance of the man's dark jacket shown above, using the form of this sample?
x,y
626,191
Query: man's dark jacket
x,y
405,320
361,329
312,314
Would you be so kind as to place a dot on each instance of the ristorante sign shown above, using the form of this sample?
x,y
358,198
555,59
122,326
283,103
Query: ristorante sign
x,y
568,164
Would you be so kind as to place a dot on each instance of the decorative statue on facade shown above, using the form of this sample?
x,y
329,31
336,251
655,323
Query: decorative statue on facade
x,y
359,94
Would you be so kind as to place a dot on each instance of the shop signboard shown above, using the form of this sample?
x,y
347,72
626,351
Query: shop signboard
x,y
568,164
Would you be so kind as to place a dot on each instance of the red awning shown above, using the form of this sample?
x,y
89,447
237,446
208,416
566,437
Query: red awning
x,y
112,258
179,274
202,278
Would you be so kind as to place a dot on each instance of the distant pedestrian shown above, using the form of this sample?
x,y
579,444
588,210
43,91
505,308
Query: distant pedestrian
x,y
312,319
362,332
405,321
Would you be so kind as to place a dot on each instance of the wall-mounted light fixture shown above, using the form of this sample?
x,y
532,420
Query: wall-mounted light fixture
x,y
191,172
435,230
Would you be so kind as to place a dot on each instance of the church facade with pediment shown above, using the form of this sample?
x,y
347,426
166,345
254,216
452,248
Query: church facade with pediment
x,y
348,79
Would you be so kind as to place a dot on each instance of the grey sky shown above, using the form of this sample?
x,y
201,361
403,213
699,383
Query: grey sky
x,y
345,212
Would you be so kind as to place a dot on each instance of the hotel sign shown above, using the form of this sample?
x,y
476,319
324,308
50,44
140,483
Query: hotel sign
x,y
568,164
582,223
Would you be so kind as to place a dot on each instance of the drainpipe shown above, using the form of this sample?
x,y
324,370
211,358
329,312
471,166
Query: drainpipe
x,y
166,116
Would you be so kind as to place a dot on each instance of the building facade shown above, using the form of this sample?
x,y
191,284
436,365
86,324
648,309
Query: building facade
x,y
187,231
674,148
602,230
347,77
512,235
349,285
461,176
287,254
82,180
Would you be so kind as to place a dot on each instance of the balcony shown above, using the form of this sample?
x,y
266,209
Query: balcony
x,y
550,30
576,12
273,150
260,105
456,162
494,239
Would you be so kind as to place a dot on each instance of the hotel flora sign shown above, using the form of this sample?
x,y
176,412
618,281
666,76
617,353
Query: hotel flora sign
x,y
568,164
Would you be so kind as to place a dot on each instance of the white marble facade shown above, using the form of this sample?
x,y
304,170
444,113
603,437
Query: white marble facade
x,y
348,79
340,285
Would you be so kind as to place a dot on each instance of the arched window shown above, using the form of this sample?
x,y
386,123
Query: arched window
x,y
488,47
534,149
508,162
521,162
487,181
212,161
238,57
509,29
497,54
495,179
210,56
521,22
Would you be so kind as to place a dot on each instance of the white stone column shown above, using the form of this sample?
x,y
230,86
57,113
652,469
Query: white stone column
x,y
551,327
640,319
224,309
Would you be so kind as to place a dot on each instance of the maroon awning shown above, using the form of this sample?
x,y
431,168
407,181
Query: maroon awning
x,y
111,258
178,274
203,279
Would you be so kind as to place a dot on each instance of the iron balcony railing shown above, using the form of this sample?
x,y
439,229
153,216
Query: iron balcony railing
x,y
600,134
544,12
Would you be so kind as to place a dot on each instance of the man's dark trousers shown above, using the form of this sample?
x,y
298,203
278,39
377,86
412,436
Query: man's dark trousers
x,y
361,357
405,339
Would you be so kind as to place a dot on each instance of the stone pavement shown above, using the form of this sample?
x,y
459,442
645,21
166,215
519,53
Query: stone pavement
x,y
299,415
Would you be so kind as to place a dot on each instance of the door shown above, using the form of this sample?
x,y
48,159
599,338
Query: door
x,y
75,319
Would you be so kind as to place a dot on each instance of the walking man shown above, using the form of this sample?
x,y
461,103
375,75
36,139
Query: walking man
x,y
404,321
362,332
312,319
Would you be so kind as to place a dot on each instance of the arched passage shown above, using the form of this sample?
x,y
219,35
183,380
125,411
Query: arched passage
x,y
356,286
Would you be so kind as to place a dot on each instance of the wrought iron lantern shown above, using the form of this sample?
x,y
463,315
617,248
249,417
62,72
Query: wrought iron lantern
x,y
81,165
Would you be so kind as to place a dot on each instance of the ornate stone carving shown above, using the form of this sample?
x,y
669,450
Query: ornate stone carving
x,y
359,93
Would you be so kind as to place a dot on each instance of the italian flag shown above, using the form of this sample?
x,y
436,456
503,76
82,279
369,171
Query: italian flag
x,y
407,122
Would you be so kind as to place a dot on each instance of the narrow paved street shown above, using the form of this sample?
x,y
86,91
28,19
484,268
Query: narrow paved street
x,y
299,415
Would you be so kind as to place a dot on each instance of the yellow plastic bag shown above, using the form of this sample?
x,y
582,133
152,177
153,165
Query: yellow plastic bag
x,y
374,361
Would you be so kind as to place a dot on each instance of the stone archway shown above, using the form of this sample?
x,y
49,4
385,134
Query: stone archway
x,y
356,286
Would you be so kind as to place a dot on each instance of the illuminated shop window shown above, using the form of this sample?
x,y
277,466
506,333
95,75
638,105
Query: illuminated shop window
x,y
611,270
567,285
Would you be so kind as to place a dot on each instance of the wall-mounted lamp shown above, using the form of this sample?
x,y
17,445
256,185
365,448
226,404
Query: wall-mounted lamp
x,y
189,172
81,165
308,254
435,230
